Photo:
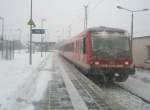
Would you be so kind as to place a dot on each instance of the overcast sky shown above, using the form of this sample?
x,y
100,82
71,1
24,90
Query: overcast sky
x,y
59,14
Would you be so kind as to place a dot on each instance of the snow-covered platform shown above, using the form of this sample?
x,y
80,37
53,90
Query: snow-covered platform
x,y
22,84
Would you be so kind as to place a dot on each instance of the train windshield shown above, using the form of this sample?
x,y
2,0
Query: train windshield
x,y
107,44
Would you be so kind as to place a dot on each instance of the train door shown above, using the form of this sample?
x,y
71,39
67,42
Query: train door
x,y
77,55
82,49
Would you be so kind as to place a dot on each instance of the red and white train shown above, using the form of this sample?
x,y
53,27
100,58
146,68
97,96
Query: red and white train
x,y
101,51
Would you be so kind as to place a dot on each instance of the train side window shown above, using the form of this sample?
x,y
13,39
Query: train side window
x,y
82,46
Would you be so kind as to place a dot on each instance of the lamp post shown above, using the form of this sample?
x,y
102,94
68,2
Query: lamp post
x,y
32,24
132,16
42,38
86,17
2,39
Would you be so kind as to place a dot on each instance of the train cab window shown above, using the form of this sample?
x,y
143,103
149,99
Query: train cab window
x,y
84,49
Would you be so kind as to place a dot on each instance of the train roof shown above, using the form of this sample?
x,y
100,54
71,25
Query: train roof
x,y
94,29
107,29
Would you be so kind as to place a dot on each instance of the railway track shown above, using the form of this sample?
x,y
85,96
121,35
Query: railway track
x,y
143,99
117,85
126,97
84,81
93,96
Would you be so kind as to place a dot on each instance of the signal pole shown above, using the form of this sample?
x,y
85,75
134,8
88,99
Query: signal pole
x,y
30,56
31,23
85,17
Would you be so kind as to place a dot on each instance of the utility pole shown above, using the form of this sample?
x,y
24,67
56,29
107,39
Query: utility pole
x,y
85,17
69,30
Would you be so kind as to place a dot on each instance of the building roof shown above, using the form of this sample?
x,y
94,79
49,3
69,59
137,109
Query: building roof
x,y
142,37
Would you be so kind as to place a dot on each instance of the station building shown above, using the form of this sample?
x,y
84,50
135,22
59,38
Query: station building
x,y
141,52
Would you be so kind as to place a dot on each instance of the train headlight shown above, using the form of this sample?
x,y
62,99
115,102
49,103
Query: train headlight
x,y
96,62
126,62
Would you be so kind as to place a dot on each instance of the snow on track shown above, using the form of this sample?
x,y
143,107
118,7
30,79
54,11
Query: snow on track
x,y
137,87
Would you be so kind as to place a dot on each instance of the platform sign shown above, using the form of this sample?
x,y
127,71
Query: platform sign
x,y
38,31
31,23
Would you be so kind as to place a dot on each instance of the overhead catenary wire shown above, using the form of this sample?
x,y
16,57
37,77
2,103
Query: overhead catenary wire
x,y
97,4
86,14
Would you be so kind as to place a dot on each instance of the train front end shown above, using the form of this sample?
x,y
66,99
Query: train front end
x,y
111,54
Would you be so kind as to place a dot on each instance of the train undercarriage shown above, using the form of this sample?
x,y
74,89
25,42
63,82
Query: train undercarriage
x,y
106,75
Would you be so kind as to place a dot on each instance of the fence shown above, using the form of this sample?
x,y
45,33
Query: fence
x,y
7,50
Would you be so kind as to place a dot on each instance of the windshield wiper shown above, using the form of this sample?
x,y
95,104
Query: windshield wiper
x,y
101,52
121,49
122,52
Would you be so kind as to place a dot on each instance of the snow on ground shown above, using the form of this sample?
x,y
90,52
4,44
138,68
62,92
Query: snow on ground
x,y
138,87
139,83
22,85
124,98
143,75
21,82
